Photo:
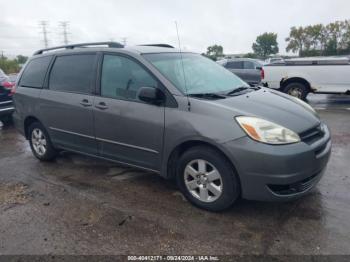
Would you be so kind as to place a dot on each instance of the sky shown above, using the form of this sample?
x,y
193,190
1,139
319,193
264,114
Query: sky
x,y
234,24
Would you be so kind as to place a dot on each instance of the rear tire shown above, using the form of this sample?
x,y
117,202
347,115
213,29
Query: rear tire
x,y
40,142
298,90
207,179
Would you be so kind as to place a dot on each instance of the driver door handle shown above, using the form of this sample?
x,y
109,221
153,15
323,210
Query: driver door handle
x,y
101,105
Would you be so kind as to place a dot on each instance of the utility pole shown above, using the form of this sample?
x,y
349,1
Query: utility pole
x,y
65,33
43,25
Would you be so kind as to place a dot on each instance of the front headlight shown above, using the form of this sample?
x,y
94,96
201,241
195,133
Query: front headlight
x,y
267,132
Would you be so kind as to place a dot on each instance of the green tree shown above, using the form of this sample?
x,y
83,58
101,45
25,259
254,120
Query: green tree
x,y
9,66
214,51
316,37
250,55
313,40
335,35
265,45
297,40
345,38
21,59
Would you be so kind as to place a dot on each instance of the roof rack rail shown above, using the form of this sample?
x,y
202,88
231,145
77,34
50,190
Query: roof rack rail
x,y
159,45
72,46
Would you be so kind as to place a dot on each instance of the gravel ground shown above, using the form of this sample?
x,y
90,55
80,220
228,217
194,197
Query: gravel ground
x,y
79,205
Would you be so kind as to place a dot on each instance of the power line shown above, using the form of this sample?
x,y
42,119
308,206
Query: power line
x,y
44,25
65,33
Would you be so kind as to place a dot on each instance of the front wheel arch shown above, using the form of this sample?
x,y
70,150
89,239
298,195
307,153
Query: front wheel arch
x,y
29,120
186,145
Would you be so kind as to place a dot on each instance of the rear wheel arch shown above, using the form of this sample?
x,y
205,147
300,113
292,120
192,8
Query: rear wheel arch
x,y
285,82
40,142
27,123
297,83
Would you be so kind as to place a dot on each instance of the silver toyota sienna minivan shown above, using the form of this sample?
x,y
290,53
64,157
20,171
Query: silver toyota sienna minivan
x,y
175,113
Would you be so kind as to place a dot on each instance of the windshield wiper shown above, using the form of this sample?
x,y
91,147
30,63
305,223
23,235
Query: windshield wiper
x,y
241,89
208,95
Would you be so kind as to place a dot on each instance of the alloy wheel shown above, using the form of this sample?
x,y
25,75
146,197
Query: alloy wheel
x,y
296,92
39,142
203,180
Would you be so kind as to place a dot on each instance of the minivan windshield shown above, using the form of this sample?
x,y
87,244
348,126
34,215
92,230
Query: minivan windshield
x,y
202,75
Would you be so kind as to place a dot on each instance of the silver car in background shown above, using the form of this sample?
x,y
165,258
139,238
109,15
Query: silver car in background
x,y
249,70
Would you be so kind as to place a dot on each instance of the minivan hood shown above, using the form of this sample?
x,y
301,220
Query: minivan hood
x,y
273,106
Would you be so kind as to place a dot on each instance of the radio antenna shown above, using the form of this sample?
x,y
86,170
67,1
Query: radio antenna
x,y
183,68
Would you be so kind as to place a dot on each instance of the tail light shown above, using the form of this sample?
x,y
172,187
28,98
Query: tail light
x,y
7,85
262,73
13,89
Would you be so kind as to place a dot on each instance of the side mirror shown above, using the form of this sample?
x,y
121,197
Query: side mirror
x,y
151,95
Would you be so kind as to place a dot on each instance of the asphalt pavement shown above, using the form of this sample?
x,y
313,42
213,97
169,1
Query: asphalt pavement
x,y
80,205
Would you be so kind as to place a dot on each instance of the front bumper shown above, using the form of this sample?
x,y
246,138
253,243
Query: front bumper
x,y
279,172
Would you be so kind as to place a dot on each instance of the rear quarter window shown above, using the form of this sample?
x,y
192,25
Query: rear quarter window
x,y
34,73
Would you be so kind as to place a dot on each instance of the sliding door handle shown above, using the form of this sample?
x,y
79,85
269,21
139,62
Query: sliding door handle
x,y
101,105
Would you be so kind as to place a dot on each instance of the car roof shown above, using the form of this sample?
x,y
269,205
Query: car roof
x,y
151,49
139,49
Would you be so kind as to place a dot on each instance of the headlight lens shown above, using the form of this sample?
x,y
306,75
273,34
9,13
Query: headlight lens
x,y
267,132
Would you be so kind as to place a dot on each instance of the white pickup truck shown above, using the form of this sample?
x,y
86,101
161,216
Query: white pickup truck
x,y
298,77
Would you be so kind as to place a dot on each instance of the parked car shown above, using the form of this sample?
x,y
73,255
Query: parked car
x,y
177,114
299,77
247,69
12,78
6,91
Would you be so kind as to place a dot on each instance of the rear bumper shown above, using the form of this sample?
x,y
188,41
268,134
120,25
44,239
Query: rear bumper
x,y
18,122
279,173
6,108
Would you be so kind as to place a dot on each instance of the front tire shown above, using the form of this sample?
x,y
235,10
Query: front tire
x,y
207,179
298,90
40,142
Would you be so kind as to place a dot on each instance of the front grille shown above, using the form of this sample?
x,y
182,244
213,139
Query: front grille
x,y
294,188
312,135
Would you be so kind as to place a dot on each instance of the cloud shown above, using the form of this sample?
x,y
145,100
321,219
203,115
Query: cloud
x,y
233,24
